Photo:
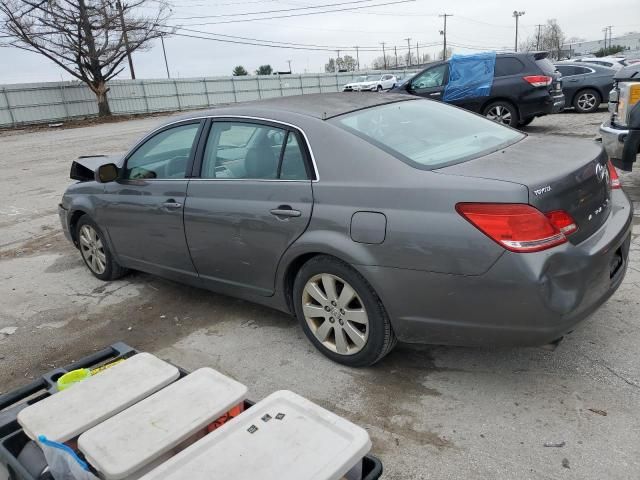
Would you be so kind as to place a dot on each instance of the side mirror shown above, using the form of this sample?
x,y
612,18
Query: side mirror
x,y
106,173
632,142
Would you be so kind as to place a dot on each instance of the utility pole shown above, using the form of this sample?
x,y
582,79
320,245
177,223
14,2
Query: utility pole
x,y
395,51
289,62
417,53
384,56
125,38
609,28
538,38
357,57
605,30
517,15
164,52
408,52
444,34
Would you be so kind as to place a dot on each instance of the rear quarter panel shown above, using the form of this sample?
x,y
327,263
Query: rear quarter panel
x,y
423,232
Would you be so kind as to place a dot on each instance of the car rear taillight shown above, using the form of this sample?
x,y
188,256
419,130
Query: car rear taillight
x,y
519,227
538,80
614,179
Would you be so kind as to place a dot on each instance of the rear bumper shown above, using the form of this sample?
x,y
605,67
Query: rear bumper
x,y
541,102
613,140
524,299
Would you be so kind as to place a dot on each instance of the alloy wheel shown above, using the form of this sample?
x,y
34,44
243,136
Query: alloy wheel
x,y
587,101
335,314
92,249
499,114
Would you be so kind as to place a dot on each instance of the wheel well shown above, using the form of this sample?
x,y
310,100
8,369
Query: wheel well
x,y
290,276
500,99
73,221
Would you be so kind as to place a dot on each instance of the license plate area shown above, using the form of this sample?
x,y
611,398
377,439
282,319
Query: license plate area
x,y
615,265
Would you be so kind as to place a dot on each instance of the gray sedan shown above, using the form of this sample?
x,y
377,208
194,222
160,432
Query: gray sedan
x,y
370,218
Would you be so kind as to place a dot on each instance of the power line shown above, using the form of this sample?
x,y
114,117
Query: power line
x,y
275,11
299,14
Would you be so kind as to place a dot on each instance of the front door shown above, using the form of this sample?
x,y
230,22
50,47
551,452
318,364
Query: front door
x,y
144,217
431,82
252,200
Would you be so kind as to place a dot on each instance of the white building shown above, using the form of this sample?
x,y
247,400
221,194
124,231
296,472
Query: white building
x,y
630,42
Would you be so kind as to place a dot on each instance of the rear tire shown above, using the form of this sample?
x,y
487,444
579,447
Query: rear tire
x,y
502,112
341,314
95,251
587,101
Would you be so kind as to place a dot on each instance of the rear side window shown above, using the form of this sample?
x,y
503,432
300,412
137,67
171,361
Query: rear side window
x,y
240,150
546,66
567,70
427,134
508,66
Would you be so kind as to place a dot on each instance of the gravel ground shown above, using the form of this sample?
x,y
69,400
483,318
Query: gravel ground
x,y
432,412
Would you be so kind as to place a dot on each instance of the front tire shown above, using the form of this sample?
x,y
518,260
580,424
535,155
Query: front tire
x,y
95,251
587,101
379,89
502,112
341,314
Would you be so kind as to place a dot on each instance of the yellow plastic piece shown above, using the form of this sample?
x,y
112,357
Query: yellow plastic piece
x,y
72,377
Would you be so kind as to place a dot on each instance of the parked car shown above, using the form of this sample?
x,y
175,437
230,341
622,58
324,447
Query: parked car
x,y
525,86
585,86
610,62
370,218
378,83
621,132
355,85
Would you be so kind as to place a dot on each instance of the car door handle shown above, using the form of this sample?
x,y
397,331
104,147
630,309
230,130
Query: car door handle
x,y
573,80
435,94
171,204
285,211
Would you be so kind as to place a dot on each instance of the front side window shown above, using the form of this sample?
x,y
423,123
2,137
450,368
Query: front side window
x,y
426,134
239,150
434,77
163,156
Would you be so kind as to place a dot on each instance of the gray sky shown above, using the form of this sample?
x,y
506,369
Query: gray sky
x,y
478,24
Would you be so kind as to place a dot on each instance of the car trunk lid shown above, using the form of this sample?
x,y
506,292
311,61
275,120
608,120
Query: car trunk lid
x,y
560,174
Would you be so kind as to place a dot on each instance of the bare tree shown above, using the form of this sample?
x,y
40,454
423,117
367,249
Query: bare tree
x,y
89,39
550,38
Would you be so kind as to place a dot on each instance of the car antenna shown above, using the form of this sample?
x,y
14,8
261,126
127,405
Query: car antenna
x,y
324,115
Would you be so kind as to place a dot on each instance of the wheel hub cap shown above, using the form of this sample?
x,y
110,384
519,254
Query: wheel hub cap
x,y
92,249
335,314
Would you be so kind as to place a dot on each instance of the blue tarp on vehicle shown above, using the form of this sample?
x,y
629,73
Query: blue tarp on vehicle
x,y
470,76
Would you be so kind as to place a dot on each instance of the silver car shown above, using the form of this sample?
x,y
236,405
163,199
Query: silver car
x,y
371,218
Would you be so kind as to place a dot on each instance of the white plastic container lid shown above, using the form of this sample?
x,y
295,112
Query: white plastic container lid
x,y
283,437
68,413
126,443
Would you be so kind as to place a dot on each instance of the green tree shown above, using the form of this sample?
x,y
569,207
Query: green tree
x,y
239,71
264,70
612,50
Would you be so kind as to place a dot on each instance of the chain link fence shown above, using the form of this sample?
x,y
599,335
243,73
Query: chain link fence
x,y
22,104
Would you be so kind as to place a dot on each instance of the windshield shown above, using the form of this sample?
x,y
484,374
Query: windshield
x,y
427,134
361,78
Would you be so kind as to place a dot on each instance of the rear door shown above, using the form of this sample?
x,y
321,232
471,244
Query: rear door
x,y
144,207
250,199
572,79
431,82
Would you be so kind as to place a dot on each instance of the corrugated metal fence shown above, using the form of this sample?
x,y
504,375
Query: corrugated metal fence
x,y
49,102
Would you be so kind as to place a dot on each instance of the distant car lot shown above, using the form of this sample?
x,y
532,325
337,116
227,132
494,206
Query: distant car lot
x,y
432,412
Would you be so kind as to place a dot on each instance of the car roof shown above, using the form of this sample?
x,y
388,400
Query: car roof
x,y
318,105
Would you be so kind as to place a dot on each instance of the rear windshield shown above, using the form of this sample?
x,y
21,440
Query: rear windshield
x,y
546,66
428,134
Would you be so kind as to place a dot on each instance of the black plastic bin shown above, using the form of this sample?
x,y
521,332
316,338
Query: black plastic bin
x,y
23,458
